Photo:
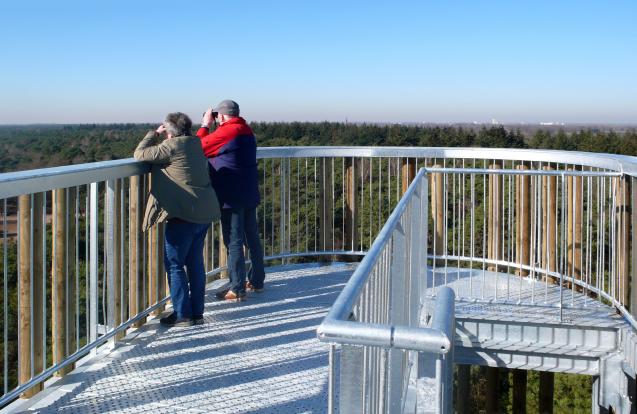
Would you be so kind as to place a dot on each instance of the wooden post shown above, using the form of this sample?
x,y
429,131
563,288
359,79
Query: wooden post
x,y
117,274
30,286
463,391
574,227
60,280
162,282
493,390
519,391
494,237
437,211
547,381
135,243
326,206
350,238
408,172
71,277
549,223
623,239
153,269
523,219
223,254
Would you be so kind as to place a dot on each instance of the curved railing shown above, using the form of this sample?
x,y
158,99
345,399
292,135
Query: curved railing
x,y
77,271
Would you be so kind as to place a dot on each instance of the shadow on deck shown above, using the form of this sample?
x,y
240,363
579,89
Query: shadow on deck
x,y
261,356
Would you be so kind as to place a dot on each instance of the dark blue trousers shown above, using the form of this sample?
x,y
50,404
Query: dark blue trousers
x,y
239,227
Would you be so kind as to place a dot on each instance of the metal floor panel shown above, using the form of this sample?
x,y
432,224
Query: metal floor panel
x,y
500,296
259,356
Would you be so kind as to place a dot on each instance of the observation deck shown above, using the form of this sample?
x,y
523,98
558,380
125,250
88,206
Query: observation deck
x,y
391,270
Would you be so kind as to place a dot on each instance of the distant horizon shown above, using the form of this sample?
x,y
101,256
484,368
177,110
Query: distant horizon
x,y
485,123
411,61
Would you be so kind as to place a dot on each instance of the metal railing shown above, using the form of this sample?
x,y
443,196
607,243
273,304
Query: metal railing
x,y
77,272
380,311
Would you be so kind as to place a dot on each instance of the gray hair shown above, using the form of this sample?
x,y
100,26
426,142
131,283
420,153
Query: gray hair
x,y
177,124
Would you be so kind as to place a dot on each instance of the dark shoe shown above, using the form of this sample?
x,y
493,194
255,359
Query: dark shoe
x,y
230,296
198,320
250,287
171,320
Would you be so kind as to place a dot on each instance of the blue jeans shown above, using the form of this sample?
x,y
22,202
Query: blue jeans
x,y
184,247
239,226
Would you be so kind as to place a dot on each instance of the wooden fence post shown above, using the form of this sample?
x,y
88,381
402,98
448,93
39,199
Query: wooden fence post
x,y
549,223
574,227
408,172
326,206
495,215
30,290
623,239
61,312
350,238
223,254
135,243
523,219
437,212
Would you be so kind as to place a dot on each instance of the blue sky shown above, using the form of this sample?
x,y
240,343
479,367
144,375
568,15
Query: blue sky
x,y
429,61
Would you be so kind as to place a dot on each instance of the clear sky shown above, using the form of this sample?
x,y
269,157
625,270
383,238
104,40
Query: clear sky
x,y
429,61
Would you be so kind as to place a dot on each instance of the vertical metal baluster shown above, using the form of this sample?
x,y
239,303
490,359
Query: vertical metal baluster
x,y
547,235
87,262
5,300
44,274
588,239
484,227
93,264
453,213
472,243
305,189
298,203
331,382
333,206
380,185
288,168
612,237
371,205
122,237
272,196
77,268
389,160
445,220
563,243
264,209
463,176
534,233
573,238
316,190
510,231
362,229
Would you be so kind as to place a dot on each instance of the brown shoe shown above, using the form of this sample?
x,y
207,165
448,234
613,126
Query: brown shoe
x,y
251,288
233,297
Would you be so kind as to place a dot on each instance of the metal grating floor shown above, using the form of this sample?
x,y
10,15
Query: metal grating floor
x,y
259,356
501,296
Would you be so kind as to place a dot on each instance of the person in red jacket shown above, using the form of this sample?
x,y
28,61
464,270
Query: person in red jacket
x,y
232,154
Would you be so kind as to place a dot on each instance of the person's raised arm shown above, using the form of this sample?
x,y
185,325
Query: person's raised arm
x,y
150,150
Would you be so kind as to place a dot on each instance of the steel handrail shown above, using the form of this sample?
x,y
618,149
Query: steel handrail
x,y
33,181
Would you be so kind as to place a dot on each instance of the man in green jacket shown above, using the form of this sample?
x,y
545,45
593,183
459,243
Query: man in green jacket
x,y
181,196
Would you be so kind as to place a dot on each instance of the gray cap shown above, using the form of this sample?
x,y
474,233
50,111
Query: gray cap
x,y
227,107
